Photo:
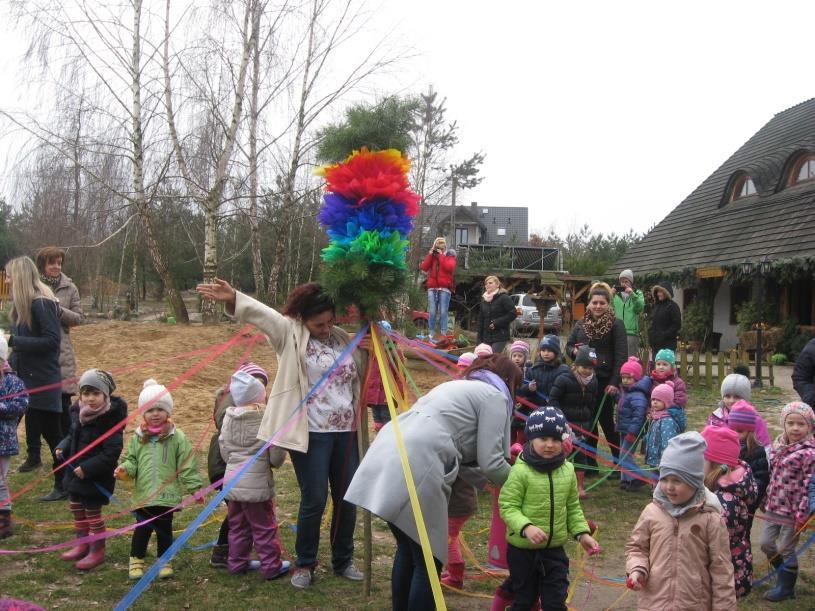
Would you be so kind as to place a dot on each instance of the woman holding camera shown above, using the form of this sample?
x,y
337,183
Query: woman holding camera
x,y
440,265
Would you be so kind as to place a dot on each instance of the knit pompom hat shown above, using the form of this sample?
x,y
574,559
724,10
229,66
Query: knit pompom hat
x,y
519,345
482,350
665,393
586,357
742,417
667,355
632,367
155,395
737,385
465,360
253,369
246,389
798,407
723,445
685,458
550,342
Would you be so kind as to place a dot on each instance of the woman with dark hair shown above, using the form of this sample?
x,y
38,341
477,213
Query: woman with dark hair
x,y
496,315
49,263
602,330
458,429
34,340
322,444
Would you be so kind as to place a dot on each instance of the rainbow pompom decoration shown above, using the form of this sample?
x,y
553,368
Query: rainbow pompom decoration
x,y
367,211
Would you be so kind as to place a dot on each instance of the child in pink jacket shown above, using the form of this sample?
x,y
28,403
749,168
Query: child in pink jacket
x,y
678,555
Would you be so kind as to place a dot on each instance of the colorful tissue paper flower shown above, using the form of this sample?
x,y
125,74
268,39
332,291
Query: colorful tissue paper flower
x,y
381,215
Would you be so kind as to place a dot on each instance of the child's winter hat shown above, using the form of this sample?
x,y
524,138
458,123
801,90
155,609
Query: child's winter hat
x,y
723,445
519,345
628,275
482,350
586,357
253,369
465,360
546,422
550,342
685,458
665,393
738,385
156,395
798,407
98,379
667,355
632,367
246,389
3,348
742,417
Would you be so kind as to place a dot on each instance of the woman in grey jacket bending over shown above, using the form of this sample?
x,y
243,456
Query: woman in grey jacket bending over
x,y
458,429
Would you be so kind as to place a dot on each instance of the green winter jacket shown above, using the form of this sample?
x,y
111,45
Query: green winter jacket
x,y
153,465
629,311
546,500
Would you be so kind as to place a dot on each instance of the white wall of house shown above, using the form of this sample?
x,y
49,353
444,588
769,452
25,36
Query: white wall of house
x,y
721,318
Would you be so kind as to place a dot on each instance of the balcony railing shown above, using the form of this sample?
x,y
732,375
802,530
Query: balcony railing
x,y
515,258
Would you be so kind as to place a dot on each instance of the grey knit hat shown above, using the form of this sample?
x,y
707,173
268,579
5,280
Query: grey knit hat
x,y
685,458
98,379
738,385
628,274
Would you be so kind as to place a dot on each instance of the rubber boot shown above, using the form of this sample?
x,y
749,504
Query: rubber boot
x,y
501,600
220,555
455,575
95,557
776,564
581,490
80,550
785,588
5,525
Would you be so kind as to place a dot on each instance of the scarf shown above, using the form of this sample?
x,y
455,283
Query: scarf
x,y
539,463
583,380
162,432
487,296
598,328
52,283
88,414
658,414
662,377
484,375
676,511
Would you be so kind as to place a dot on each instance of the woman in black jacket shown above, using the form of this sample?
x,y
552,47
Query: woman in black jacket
x,y
666,319
496,316
600,329
35,342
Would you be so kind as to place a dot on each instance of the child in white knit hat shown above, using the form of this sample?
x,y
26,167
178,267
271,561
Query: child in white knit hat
x,y
161,461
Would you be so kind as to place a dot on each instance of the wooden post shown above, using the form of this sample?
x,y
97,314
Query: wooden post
x,y
367,535
683,362
709,369
696,376
770,372
720,372
734,359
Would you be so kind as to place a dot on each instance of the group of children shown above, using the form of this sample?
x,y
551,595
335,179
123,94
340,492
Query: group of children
x,y
161,463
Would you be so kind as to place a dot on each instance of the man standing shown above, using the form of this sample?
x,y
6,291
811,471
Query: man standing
x,y
628,305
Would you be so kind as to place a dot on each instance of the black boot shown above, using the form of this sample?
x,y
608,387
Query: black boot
x,y
220,554
30,464
58,493
786,585
5,524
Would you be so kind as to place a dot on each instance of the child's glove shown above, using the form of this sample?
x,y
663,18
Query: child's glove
x,y
516,449
630,437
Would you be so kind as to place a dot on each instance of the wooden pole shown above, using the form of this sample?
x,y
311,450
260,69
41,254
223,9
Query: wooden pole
x,y
720,372
708,369
696,376
367,535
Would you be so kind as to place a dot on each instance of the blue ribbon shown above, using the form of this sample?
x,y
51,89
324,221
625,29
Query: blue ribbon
x,y
142,584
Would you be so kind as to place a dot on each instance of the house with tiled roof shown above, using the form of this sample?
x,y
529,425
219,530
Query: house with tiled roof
x,y
746,233
474,224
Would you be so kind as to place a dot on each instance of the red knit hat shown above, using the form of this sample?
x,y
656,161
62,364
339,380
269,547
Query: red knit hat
x,y
632,367
723,445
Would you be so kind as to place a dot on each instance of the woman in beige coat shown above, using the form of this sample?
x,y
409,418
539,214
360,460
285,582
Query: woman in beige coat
x,y
321,436
678,555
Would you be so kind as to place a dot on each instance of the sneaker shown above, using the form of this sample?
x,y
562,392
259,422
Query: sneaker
x,y
219,557
29,465
350,572
302,578
55,495
284,568
135,568
166,571
254,565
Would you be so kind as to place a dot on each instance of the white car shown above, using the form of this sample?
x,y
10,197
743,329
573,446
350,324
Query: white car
x,y
528,320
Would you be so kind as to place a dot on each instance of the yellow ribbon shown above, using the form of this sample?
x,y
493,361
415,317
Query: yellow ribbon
x,y
424,540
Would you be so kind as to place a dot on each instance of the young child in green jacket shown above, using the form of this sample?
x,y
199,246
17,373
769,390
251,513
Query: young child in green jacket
x,y
161,461
540,505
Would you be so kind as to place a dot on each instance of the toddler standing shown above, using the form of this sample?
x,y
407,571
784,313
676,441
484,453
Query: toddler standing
x,y
792,462
665,371
743,418
736,387
735,487
632,408
678,555
12,408
89,479
667,421
160,459
251,510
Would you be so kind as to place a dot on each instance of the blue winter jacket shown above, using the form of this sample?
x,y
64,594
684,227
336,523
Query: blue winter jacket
x,y
661,432
633,407
545,375
12,408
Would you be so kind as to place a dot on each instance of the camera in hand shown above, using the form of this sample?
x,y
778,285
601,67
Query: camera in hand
x,y
619,289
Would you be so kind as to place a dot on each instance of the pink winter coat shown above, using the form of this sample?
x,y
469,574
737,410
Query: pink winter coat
x,y
375,391
680,388
686,560
719,418
791,467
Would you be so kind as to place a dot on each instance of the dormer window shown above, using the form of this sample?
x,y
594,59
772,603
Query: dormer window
x,y
803,170
743,187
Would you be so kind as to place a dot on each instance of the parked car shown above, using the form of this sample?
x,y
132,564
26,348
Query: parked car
x,y
528,320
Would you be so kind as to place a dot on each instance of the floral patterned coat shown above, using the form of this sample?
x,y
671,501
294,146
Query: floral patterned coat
x,y
12,409
737,493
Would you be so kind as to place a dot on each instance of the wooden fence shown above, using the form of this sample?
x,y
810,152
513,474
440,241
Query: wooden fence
x,y
708,369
